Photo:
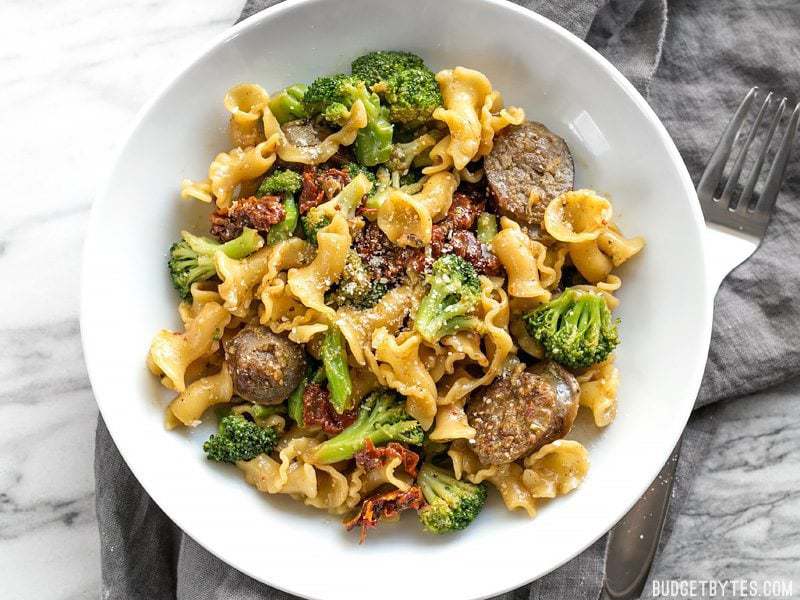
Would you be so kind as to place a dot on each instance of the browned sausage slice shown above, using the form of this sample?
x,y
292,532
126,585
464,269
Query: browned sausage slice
x,y
522,411
528,158
265,367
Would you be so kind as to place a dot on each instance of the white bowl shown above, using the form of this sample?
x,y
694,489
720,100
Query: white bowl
x,y
620,147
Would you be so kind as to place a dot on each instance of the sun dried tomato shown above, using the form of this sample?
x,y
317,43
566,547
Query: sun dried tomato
x,y
384,506
372,457
318,410
257,212
320,185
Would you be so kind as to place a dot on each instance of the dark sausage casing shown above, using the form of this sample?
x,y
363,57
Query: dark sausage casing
x,y
265,367
522,411
528,158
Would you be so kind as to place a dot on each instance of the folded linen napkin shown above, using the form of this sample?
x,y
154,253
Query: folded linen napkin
x,y
693,60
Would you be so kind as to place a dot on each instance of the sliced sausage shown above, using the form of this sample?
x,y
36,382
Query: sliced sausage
x,y
522,411
265,367
528,158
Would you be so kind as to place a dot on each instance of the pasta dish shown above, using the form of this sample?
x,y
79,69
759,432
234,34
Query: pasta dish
x,y
401,302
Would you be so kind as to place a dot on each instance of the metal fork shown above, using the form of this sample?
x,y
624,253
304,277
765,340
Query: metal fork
x,y
735,225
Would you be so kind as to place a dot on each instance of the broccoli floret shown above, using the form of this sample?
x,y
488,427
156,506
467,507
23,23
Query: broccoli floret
x,y
239,439
382,418
345,203
337,371
575,329
280,181
486,228
356,288
286,183
332,98
411,95
454,293
192,258
311,223
287,105
380,65
451,504
404,154
355,169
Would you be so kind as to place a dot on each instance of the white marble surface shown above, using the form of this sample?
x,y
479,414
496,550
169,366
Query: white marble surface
x,y
73,74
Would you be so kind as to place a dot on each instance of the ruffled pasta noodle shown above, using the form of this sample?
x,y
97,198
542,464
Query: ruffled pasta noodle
x,y
617,247
464,92
243,279
522,258
309,284
599,385
577,216
230,169
555,469
507,479
320,486
407,220
440,158
202,292
391,473
189,406
199,190
322,152
240,279
452,423
171,353
285,313
590,261
495,315
495,118
246,103
396,364
357,326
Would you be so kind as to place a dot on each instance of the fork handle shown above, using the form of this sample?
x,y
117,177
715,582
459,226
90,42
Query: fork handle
x,y
633,542
724,251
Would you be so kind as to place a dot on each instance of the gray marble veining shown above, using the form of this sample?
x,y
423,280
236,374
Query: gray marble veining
x,y
73,75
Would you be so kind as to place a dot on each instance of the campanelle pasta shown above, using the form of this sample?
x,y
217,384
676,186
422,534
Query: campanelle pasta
x,y
379,314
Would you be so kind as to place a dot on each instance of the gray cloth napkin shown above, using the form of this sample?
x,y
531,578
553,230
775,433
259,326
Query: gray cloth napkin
x,y
693,60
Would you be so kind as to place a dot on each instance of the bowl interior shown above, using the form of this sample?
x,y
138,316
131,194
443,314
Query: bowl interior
x,y
619,148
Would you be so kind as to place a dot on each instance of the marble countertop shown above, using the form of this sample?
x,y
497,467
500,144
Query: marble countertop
x,y
73,74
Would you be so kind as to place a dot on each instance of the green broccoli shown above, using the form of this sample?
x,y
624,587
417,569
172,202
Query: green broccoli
x,y
356,288
404,154
287,105
192,258
575,329
286,183
332,98
380,65
454,293
382,418
345,203
337,371
487,227
355,169
311,223
239,439
411,95
451,504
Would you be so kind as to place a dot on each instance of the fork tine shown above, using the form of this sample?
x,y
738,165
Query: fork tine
x,y
736,171
747,193
716,164
776,172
